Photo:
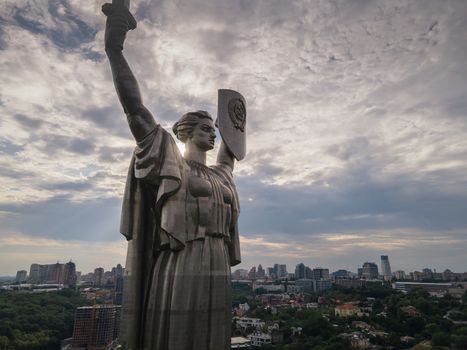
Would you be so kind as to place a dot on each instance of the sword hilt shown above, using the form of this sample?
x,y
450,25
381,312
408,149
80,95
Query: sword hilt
x,y
119,15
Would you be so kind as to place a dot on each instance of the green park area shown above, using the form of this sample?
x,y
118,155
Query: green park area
x,y
37,321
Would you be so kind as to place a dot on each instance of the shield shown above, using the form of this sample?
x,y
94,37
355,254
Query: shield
x,y
231,120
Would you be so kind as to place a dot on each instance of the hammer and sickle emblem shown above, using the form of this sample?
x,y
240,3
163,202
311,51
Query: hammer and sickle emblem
x,y
237,113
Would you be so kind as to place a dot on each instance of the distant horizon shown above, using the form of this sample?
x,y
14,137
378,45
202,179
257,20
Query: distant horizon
x,y
244,267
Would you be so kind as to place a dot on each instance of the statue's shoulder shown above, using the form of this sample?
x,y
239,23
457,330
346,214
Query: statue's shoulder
x,y
160,138
223,171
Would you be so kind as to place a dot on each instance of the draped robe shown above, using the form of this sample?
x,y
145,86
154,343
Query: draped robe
x,y
180,220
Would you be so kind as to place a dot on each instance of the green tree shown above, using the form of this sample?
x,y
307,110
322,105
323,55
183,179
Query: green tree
x,y
459,341
37,321
5,343
378,306
414,325
441,339
316,325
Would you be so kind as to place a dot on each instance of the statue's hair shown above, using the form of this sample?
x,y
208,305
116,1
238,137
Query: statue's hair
x,y
184,127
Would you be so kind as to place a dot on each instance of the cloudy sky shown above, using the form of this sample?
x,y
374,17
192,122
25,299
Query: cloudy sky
x,y
357,126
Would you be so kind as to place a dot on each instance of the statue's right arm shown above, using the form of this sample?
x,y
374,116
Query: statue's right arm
x,y
140,120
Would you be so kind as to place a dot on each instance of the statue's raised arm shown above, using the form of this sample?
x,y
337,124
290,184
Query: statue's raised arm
x,y
119,22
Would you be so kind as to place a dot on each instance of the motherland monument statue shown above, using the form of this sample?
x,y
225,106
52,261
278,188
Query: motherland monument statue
x,y
179,215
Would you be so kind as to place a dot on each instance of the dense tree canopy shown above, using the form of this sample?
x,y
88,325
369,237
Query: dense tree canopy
x,y
30,321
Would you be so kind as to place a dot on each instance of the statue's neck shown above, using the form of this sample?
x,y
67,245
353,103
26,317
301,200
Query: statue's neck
x,y
195,154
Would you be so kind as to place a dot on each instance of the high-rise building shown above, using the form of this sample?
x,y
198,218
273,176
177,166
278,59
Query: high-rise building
x,y
21,276
118,299
34,273
96,327
49,273
308,273
119,270
305,284
448,275
78,277
88,278
399,275
260,273
385,268
55,273
240,274
320,274
321,285
427,274
341,274
416,276
281,270
43,273
300,271
370,271
252,273
69,275
99,276
271,272
109,278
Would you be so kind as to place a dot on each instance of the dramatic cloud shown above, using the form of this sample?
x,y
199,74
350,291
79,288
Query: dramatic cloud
x,y
357,128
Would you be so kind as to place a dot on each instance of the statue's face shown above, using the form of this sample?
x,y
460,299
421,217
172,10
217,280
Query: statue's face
x,y
204,134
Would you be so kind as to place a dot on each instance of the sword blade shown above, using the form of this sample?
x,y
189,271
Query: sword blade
x,y
124,3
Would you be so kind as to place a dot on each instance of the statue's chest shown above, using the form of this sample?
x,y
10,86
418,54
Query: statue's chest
x,y
204,205
208,202
202,183
199,186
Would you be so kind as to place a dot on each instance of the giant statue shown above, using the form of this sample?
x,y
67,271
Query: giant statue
x,y
179,215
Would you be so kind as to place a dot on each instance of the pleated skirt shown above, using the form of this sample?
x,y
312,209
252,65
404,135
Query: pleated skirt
x,y
189,301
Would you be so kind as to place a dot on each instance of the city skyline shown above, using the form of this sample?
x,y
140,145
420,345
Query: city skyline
x,y
289,267
357,133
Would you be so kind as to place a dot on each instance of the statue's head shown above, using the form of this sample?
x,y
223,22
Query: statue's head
x,y
196,128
